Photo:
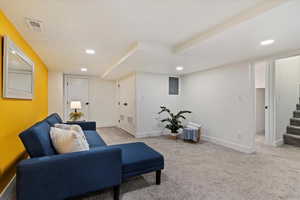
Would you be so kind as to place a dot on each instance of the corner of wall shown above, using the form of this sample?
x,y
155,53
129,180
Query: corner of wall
x,y
9,192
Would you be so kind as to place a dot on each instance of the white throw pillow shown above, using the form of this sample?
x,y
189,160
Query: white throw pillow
x,y
67,141
73,127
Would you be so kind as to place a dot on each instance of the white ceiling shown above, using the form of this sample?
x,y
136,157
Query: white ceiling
x,y
111,27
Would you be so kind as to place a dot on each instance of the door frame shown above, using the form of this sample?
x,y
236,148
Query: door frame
x,y
270,115
65,93
119,85
270,123
118,103
271,91
279,142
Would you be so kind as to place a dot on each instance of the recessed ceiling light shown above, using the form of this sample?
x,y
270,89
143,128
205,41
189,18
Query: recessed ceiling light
x,y
267,42
179,68
90,51
13,52
83,69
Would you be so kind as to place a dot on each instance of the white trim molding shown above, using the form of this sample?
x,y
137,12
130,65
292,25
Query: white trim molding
x,y
231,145
252,91
9,192
131,50
105,125
278,143
149,134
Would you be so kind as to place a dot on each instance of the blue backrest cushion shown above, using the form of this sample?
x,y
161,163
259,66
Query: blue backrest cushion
x,y
93,139
37,140
54,119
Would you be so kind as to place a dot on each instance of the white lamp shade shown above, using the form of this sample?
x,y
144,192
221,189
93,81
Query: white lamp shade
x,y
75,105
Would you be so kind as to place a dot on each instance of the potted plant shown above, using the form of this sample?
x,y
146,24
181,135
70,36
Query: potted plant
x,y
74,116
173,121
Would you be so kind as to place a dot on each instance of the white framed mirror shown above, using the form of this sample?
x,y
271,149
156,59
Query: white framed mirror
x,y
18,72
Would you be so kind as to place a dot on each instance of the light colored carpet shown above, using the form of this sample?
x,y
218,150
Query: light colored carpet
x,y
210,172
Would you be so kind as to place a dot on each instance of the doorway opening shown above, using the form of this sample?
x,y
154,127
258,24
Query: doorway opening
x,y
287,73
261,106
76,89
277,101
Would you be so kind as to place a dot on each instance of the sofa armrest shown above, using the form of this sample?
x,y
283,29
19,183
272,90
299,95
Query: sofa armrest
x,y
67,175
85,125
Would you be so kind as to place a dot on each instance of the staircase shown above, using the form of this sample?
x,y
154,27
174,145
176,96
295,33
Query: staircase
x,y
292,135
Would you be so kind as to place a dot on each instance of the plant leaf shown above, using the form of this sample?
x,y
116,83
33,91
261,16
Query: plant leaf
x,y
180,113
181,116
173,121
165,120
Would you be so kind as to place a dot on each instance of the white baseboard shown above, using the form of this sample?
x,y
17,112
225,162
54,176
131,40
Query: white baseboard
x,y
105,125
9,192
149,134
278,143
237,147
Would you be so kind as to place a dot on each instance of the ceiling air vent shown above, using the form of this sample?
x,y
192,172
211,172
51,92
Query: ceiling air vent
x,y
34,25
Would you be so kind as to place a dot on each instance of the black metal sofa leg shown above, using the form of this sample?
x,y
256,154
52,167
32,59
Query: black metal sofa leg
x,y
117,192
158,177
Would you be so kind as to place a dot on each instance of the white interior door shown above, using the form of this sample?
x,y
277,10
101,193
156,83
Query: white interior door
x,y
77,89
122,107
267,105
270,111
126,105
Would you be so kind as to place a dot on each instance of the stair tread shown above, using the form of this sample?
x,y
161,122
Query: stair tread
x,y
297,111
296,118
293,136
293,126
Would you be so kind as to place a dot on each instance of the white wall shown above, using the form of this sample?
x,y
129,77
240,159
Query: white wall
x,y
55,93
260,110
221,101
260,74
287,91
102,97
152,92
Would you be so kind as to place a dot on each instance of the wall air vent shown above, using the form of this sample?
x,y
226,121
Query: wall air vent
x,y
34,25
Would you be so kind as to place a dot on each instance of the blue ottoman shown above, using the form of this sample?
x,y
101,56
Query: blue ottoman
x,y
138,158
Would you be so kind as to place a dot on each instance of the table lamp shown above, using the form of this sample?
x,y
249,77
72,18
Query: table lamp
x,y
75,105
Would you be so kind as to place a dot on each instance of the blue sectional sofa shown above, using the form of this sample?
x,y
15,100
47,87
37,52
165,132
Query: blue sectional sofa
x,y
51,176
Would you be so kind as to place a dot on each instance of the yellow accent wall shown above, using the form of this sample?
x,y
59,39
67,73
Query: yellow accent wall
x,y
17,115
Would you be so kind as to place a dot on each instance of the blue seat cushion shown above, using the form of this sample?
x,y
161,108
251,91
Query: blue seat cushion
x,y
94,139
54,119
138,158
37,140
